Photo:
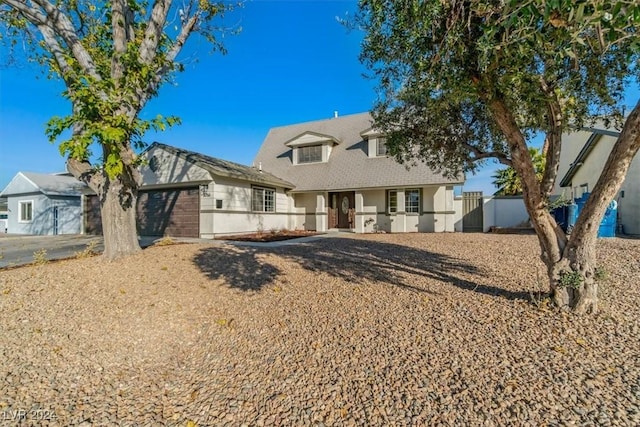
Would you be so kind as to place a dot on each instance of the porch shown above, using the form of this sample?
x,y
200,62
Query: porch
x,y
390,210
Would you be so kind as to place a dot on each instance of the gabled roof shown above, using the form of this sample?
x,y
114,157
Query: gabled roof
x,y
588,147
48,184
349,166
224,168
310,138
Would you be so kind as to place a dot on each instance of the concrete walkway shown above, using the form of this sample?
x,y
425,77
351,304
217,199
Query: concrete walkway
x,y
289,242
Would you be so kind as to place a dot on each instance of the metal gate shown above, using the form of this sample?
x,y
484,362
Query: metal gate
x,y
472,220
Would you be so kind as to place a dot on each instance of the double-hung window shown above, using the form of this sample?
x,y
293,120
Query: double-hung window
x,y
263,199
25,209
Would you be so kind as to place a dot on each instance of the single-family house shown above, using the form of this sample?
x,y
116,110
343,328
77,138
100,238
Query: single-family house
x,y
43,204
327,174
584,153
343,179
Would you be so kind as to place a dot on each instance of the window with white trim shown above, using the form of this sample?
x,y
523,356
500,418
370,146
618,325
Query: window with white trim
x,y
25,211
310,154
381,147
263,199
392,201
412,200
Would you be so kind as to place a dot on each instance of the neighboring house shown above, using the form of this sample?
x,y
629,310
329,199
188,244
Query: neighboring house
x,y
583,156
4,215
344,179
187,194
43,204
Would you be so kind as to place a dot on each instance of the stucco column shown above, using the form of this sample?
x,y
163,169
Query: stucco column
x,y
449,217
359,225
400,222
321,212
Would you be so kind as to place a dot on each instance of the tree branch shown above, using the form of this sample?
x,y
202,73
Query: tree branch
x,y
181,39
33,15
63,28
153,33
553,139
84,172
481,155
119,31
58,53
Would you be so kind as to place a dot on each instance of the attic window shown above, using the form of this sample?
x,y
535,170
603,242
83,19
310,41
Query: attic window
x,y
310,154
381,147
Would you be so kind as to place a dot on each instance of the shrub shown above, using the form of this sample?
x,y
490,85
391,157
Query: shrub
x,y
40,257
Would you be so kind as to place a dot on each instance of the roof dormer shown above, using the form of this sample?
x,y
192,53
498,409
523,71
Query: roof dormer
x,y
311,147
376,142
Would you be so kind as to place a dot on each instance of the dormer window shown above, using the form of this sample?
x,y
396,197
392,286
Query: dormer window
x,y
310,154
381,147
311,147
376,143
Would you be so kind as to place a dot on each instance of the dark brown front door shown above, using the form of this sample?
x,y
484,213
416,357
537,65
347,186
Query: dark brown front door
x,y
342,209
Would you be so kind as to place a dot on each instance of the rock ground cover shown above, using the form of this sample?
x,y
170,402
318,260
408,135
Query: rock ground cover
x,y
411,329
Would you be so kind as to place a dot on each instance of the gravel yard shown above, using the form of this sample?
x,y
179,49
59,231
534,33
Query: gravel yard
x,y
411,329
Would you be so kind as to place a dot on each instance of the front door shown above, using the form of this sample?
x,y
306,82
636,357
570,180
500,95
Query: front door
x,y
342,209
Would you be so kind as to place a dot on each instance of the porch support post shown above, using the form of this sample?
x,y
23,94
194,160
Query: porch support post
x,y
321,212
401,217
359,219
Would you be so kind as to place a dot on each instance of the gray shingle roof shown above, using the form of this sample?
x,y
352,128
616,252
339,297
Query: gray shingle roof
x,y
348,167
225,168
56,185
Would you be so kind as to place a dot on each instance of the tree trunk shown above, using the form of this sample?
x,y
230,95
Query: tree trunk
x,y
573,279
118,208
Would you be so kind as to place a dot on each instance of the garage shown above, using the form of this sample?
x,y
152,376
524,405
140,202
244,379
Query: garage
x,y
174,212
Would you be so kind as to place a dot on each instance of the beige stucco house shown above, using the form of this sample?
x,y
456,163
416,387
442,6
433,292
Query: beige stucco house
x,y
584,153
322,175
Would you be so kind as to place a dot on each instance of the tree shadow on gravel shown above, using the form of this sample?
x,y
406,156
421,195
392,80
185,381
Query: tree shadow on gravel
x,y
240,267
349,259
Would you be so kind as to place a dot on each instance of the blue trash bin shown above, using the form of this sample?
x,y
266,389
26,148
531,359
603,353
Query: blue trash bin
x,y
608,224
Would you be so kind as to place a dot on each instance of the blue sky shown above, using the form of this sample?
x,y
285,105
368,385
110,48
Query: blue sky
x,y
292,62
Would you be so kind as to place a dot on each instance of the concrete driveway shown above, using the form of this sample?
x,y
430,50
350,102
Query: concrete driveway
x,y
18,249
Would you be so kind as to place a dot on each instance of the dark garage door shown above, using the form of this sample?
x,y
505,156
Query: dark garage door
x,y
169,213
160,213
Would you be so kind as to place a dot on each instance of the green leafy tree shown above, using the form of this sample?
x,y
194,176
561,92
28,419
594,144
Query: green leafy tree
x,y
113,57
508,183
464,81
